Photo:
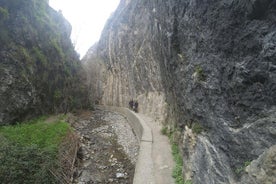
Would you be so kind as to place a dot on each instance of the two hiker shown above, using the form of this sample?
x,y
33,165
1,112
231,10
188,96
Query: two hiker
x,y
133,105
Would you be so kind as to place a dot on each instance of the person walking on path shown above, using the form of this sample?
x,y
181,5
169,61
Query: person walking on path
x,y
131,104
136,106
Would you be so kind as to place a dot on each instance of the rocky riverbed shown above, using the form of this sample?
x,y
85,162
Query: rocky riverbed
x,y
108,149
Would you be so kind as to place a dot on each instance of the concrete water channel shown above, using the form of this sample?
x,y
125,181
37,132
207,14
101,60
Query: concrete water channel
x,y
121,146
155,162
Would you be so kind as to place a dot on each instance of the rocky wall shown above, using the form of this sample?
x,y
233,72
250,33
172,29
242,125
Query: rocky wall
x,y
40,71
205,68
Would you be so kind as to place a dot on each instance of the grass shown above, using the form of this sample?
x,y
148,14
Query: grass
x,y
188,182
177,170
40,134
29,151
164,131
242,168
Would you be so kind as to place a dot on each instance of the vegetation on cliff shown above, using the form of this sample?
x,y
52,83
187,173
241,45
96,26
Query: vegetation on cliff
x,y
39,71
177,170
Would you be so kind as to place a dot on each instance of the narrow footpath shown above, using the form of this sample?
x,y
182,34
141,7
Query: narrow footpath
x,y
110,152
161,154
155,161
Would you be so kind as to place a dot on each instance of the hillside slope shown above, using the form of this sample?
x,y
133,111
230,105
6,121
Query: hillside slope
x,y
207,70
39,70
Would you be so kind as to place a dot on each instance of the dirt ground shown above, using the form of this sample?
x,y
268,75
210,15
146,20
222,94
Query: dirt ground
x,y
108,149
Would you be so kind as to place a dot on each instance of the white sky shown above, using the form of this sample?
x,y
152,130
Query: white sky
x,y
87,18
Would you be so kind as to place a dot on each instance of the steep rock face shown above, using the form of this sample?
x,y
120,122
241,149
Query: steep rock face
x,y
262,170
39,69
132,70
205,65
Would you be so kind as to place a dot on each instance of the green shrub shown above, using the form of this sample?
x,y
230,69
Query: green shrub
x,y
242,168
200,73
197,128
164,131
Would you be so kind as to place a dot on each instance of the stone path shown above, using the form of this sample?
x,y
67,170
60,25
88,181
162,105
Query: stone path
x,y
161,154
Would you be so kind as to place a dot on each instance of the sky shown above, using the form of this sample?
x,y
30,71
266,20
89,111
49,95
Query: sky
x,y
87,18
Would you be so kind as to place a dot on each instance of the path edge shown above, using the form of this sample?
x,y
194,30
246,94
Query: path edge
x,y
144,165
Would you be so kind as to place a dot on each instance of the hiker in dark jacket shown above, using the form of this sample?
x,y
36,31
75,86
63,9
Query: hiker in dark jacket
x,y
136,106
131,104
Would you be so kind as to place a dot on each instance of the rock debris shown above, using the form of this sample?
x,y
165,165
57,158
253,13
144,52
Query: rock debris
x,y
108,149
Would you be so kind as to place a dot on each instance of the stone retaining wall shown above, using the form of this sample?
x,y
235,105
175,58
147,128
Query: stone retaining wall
x,y
144,164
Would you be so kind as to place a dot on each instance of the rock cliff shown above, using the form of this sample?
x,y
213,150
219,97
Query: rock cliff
x,y
207,70
39,70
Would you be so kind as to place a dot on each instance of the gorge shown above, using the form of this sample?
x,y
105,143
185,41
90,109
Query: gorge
x,y
205,69
40,72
